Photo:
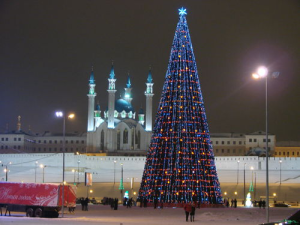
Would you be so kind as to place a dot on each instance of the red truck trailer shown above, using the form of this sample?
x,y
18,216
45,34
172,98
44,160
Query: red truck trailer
x,y
37,200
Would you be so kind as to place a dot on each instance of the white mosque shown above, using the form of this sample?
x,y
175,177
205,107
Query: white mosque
x,y
118,131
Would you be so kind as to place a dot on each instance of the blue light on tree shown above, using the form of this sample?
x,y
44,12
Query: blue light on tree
x,y
180,163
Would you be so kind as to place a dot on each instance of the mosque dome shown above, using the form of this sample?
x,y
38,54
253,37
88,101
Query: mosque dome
x,y
122,104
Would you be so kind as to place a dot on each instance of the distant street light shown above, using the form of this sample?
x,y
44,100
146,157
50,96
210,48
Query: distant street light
x,y
244,183
60,114
43,167
262,73
238,170
6,170
73,171
280,161
115,172
78,172
36,165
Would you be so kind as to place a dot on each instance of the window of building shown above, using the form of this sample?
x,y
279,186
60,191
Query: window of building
x,y
279,153
55,141
125,136
228,150
19,147
212,142
217,142
6,139
228,142
61,141
233,150
255,140
45,141
77,142
39,141
72,141
50,142
275,153
293,153
67,142
15,139
222,150
283,153
217,150
222,142
2,139
250,139
234,142
297,153
269,140
82,142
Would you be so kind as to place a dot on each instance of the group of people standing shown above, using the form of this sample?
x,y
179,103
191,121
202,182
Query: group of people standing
x,y
190,209
233,202
84,204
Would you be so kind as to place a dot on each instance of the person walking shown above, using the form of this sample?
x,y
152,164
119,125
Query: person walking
x,y
188,209
192,214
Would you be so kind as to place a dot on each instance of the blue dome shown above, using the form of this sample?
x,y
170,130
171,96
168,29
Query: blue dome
x,y
121,105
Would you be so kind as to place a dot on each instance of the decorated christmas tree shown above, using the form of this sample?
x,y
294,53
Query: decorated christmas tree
x,y
180,163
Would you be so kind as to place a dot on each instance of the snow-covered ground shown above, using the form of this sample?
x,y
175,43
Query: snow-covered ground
x,y
103,215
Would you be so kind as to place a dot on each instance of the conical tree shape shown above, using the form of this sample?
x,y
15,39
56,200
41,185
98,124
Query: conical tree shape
x,y
180,163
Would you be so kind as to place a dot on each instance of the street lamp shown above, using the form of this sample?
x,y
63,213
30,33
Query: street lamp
x,y
280,161
36,165
43,167
262,73
244,182
238,170
6,171
73,171
115,172
121,183
78,172
60,114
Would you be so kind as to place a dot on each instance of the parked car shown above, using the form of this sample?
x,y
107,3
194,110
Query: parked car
x,y
294,219
281,205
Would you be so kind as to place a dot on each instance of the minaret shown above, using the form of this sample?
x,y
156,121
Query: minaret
x,y
19,124
97,116
128,88
149,94
91,104
141,116
111,97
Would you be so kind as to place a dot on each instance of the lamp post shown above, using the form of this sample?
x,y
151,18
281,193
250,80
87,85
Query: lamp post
x,y
43,167
115,172
280,161
6,171
36,165
60,114
238,170
78,171
262,72
244,182
74,174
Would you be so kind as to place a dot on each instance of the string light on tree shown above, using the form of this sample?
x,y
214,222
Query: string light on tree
x,y
180,163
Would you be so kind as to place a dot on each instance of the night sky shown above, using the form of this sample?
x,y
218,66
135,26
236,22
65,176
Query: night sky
x,y
47,49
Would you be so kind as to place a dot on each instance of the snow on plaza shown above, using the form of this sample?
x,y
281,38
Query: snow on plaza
x,y
102,214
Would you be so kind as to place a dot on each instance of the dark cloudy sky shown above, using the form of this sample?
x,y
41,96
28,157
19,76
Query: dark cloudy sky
x,y
47,49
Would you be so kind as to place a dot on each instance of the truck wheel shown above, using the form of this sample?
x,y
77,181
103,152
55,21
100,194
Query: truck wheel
x,y
38,212
29,212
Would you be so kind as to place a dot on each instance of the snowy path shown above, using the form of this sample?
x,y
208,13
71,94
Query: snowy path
x,y
103,215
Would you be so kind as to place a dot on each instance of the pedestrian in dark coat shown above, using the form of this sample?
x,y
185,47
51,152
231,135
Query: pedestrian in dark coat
x,y
192,214
188,209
